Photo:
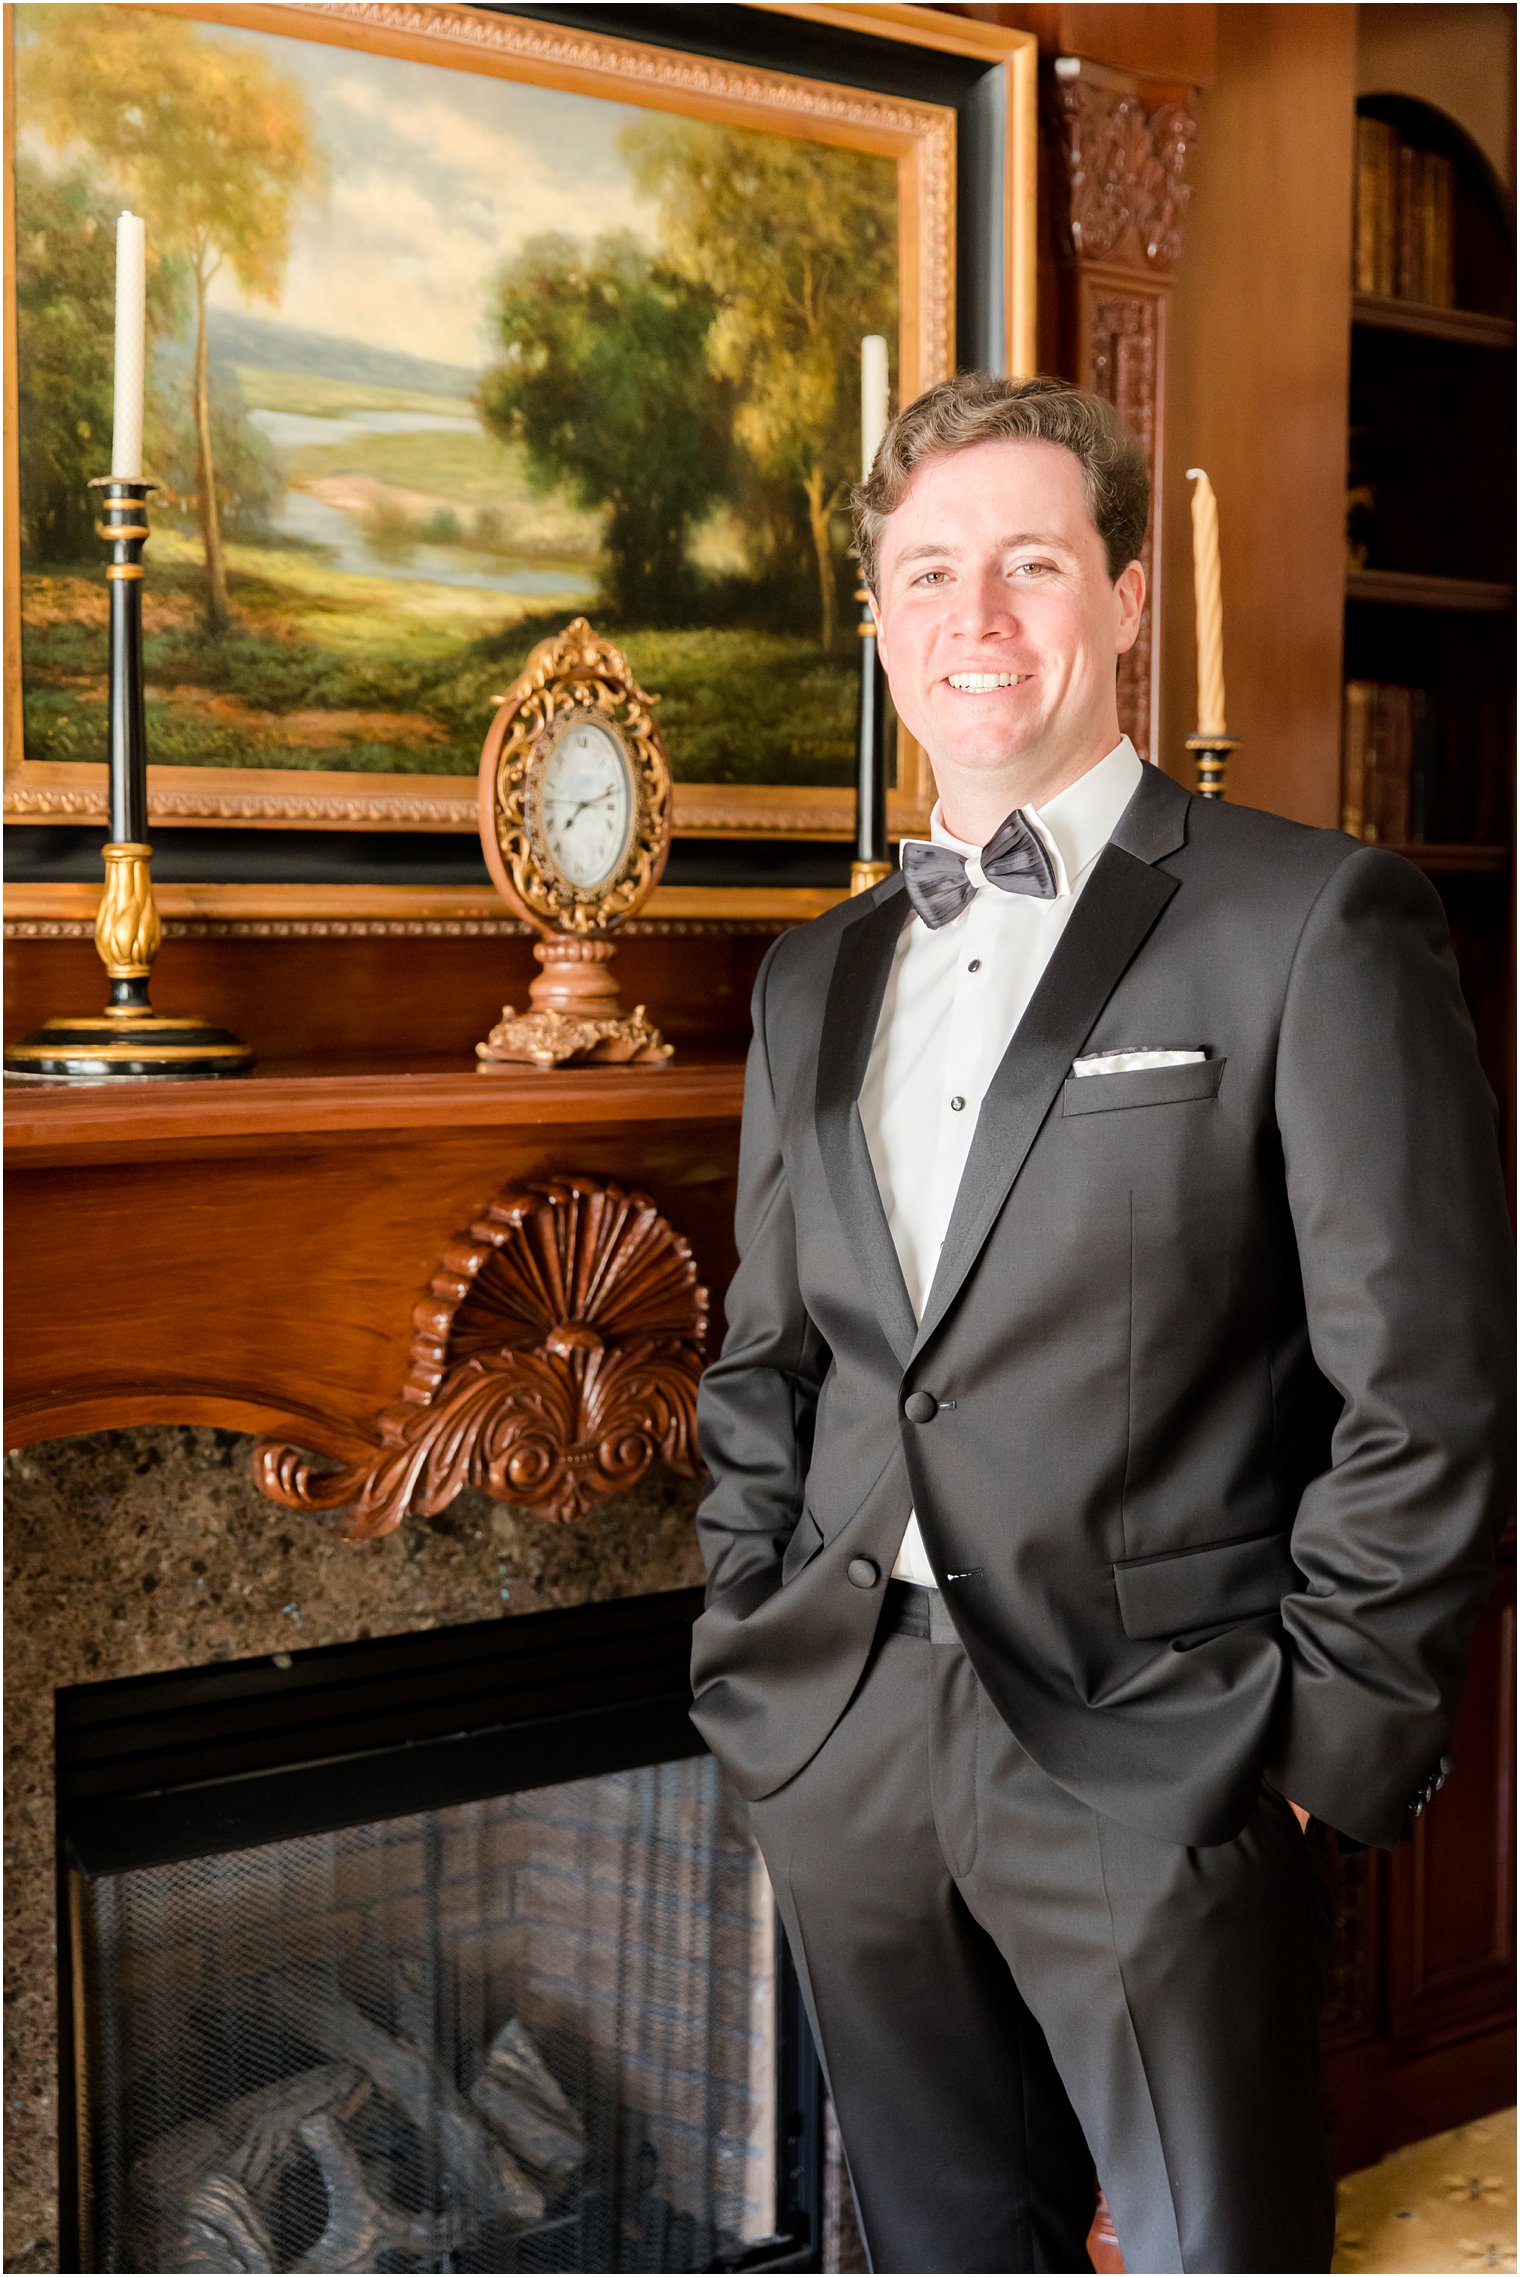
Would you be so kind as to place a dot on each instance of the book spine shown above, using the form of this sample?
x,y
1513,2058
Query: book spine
x,y
1385,209
1409,234
1442,240
1420,785
1395,757
1354,757
1375,238
1366,206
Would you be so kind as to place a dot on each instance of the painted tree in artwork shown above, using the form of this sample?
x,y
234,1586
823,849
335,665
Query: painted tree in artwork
x,y
797,242
603,378
65,285
212,145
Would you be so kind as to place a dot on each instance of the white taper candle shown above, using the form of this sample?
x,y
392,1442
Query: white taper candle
x,y
1208,605
873,399
131,322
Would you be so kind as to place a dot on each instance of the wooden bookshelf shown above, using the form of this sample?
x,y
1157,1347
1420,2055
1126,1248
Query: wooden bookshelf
x,y
1429,589
1429,621
1457,861
1407,589
1464,326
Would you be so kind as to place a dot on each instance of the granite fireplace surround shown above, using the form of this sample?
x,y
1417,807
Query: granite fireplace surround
x,y
130,1552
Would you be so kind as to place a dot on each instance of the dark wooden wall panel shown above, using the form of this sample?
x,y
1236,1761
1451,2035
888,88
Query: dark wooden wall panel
x,y
1258,370
378,997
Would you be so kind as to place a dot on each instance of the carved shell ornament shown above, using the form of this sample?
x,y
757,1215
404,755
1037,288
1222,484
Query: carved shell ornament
x,y
554,1358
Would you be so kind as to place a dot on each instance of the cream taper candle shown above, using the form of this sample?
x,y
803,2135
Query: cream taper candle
x,y
1208,603
131,324
873,399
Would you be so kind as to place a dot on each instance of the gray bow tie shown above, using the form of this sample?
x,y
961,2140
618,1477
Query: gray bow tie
x,y
1013,858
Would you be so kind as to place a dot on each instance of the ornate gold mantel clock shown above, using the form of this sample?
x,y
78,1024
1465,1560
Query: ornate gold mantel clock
x,y
575,823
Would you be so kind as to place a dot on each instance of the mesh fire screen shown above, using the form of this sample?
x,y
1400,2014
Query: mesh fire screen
x,y
535,2033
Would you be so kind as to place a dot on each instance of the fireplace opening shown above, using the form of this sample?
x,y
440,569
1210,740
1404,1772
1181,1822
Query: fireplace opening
x,y
444,1952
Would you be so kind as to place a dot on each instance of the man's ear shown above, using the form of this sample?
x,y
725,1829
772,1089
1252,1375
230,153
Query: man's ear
x,y
1129,592
881,646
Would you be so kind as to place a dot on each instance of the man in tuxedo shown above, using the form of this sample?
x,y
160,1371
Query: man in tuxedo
x,y
1106,1448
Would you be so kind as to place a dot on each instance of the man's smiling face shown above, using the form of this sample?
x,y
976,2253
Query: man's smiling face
x,y
998,623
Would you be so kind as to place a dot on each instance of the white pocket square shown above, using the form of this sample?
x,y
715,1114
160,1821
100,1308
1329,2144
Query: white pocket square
x,y
1130,1063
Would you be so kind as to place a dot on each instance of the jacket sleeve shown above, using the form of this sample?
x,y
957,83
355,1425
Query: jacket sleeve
x,y
1394,1187
757,1400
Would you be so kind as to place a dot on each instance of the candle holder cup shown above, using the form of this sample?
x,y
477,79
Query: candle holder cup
x,y
1211,756
128,1040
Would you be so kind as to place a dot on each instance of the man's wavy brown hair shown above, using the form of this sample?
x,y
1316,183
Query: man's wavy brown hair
x,y
977,407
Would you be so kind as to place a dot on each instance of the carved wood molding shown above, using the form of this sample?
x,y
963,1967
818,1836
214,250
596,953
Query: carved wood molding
x,y
1124,162
1117,155
396,928
555,1357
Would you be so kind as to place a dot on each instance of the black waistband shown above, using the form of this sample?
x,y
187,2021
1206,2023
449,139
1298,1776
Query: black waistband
x,y
907,1610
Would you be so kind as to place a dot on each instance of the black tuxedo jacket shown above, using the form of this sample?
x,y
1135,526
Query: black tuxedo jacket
x,y
1205,1419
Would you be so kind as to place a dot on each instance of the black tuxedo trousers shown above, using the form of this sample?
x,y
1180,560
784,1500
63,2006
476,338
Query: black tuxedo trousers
x,y
1206,1419
1009,1988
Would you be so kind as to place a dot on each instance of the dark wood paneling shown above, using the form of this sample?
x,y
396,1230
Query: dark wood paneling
x,y
404,998
260,1271
1451,1892
1257,382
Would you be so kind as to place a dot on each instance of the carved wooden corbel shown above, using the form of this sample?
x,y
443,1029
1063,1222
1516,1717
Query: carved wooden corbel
x,y
1118,201
555,1357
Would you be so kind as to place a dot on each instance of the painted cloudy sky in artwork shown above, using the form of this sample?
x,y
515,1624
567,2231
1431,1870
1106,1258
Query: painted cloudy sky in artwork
x,y
434,178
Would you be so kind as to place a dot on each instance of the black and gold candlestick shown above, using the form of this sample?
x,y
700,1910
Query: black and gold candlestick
x,y
128,1039
873,861
1210,755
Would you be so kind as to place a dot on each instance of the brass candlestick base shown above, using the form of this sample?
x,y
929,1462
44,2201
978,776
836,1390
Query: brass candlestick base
x,y
576,1015
864,875
128,1040
1211,752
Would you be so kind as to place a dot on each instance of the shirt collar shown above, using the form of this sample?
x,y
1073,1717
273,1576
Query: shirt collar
x,y
1075,825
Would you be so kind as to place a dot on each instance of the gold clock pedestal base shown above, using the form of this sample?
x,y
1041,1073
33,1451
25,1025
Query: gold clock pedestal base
x,y
576,1015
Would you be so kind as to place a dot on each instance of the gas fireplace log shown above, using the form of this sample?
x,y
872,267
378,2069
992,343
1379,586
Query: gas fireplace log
x,y
195,2191
221,2229
523,2103
360,2223
486,2177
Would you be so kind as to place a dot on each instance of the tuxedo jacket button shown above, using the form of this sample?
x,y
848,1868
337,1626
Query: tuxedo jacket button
x,y
920,1407
864,1572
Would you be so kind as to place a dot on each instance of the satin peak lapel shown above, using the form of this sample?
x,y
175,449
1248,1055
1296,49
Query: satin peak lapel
x,y
1115,911
862,968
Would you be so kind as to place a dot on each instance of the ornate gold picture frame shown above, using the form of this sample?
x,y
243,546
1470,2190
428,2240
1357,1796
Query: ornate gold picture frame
x,y
913,141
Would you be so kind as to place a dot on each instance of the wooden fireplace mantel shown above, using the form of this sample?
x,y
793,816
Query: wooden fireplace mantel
x,y
258,1254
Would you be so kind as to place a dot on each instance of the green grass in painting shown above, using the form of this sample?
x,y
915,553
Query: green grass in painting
x,y
480,479
317,397
384,676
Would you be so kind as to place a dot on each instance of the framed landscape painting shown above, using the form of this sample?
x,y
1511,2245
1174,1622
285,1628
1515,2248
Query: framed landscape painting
x,y
460,324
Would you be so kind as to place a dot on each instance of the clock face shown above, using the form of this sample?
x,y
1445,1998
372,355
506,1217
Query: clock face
x,y
586,800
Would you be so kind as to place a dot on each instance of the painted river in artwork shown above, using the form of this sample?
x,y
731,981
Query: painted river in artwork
x,y
342,534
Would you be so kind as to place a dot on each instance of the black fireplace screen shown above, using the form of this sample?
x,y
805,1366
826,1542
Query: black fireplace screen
x,y
535,2032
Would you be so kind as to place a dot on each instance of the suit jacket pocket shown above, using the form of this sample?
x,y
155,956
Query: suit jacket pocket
x,y
1142,1087
806,1542
1214,1585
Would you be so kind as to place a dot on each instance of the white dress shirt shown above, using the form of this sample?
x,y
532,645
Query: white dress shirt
x,y
955,996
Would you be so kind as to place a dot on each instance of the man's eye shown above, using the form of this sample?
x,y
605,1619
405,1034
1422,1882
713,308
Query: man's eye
x,y
1033,568
930,576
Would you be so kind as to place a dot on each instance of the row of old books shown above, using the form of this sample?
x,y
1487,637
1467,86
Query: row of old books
x,y
1404,234
1385,771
